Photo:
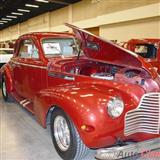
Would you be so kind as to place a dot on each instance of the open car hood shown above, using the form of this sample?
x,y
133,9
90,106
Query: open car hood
x,y
97,48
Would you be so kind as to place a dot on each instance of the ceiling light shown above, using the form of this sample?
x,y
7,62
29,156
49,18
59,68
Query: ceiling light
x,y
23,10
3,21
16,13
7,19
31,5
11,16
44,1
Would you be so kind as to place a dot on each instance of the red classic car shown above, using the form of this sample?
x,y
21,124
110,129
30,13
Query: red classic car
x,y
93,93
147,48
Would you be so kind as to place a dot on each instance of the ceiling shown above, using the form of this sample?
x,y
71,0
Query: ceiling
x,y
9,9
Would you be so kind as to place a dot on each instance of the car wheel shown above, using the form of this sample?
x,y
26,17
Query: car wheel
x,y
5,94
65,137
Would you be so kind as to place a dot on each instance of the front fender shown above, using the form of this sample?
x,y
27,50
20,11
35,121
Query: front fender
x,y
85,104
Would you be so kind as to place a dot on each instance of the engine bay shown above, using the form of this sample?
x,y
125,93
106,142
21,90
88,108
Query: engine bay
x,y
100,70
105,71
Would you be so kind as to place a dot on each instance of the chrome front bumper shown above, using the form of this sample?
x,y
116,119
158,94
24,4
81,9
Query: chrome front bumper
x,y
133,149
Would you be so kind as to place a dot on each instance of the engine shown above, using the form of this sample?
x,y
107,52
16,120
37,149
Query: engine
x,y
130,76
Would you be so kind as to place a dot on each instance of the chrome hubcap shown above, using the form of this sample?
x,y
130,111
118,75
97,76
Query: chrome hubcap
x,y
61,133
4,89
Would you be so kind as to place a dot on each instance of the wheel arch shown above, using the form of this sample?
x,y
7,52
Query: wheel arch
x,y
6,72
44,109
49,113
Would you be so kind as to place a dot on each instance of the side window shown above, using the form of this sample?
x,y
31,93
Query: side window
x,y
28,49
146,50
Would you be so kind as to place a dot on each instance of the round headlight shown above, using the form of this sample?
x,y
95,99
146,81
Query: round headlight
x,y
115,107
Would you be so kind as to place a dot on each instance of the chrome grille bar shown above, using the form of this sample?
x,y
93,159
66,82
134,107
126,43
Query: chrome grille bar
x,y
146,117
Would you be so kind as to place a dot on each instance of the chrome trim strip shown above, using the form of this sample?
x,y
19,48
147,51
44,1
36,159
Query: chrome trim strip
x,y
133,149
25,104
61,75
145,121
29,65
23,101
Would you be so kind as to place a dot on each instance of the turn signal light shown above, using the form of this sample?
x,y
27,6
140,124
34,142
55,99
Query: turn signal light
x,y
87,128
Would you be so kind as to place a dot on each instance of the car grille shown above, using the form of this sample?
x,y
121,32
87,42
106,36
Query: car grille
x,y
146,117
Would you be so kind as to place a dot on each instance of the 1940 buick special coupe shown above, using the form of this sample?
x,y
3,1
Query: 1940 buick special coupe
x,y
93,93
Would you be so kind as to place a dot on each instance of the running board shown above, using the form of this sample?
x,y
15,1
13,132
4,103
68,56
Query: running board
x,y
28,105
25,103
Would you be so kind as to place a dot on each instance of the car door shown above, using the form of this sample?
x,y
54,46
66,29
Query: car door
x,y
18,69
30,71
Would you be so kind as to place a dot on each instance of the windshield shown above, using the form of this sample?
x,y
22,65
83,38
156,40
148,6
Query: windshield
x,y
59,47
6,51
146,50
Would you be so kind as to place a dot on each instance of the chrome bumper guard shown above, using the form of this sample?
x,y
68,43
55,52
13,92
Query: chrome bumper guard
x,y
129,150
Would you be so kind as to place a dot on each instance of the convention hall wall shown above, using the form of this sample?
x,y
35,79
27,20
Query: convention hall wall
x,y
114,19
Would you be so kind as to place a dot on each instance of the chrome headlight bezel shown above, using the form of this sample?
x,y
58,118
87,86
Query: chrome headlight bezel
x,y
115,107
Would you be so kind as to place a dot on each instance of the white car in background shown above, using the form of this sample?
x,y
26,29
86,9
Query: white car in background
x,y
5,55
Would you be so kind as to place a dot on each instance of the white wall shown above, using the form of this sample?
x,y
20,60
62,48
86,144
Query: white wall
x,y
118,19
145,28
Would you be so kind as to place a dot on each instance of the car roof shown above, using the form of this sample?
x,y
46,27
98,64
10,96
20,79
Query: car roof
x,y
145,40
47,34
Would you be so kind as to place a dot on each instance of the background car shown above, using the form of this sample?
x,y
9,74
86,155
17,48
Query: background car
x,y
147,48
5,55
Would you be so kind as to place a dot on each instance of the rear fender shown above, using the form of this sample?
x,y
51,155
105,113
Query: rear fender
x,y
6,72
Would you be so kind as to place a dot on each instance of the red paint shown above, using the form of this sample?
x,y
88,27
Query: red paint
x,y
69,84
